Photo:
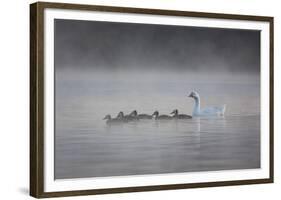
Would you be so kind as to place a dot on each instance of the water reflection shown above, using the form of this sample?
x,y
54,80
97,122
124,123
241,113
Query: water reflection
x,y
159,147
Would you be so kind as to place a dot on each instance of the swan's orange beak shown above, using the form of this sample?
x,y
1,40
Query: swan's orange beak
x,y
190,95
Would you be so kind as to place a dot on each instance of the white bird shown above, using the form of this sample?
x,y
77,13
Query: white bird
x,y
209,111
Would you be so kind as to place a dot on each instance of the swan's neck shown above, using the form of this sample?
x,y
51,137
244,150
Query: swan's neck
x,y
196,109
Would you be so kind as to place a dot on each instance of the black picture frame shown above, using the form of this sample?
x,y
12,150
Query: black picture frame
x,y
37,98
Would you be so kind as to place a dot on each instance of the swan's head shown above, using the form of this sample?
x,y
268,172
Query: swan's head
x,y
107,117
120,115
133,113
174,112
194,95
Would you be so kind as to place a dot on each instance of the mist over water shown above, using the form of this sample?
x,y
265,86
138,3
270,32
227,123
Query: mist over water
x,y
87,147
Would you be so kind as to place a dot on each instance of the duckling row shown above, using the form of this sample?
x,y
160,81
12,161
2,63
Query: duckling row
x,y
133,116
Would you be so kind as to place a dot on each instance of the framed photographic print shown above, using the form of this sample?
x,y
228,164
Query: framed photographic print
x,y
131,99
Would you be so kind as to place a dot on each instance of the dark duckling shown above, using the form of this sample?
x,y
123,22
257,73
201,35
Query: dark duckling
x,y
180,116
125,118
161,117
110,120
140,116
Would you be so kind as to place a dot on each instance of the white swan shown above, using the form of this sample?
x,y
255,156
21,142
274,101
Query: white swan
x,y
209,111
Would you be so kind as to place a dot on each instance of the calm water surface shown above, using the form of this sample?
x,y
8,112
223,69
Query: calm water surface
x,y
86,147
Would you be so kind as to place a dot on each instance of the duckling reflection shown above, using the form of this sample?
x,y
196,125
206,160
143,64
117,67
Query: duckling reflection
x,y
140,116
176,115
161,117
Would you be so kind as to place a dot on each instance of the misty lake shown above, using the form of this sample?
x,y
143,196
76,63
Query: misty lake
x,y
85,146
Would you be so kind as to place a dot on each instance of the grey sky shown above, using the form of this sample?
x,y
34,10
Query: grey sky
x,y
108,45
